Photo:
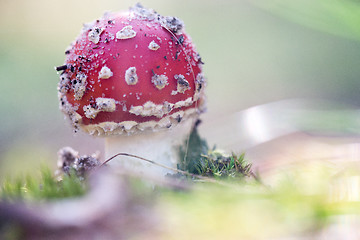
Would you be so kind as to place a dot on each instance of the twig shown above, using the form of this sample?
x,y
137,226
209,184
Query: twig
x,y
160,165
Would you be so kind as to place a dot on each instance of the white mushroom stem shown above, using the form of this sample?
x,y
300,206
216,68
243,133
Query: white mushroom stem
x,y
161,147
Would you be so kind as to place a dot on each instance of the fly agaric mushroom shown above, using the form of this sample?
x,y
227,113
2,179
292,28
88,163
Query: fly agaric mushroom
x,y
132,77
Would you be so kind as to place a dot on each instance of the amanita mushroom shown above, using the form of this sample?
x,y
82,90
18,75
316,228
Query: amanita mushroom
x,y
132,77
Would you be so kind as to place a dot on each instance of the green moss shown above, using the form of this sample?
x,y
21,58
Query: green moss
x,y
47,187
197,158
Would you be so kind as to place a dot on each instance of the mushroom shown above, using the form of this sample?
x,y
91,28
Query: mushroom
x,y
132,77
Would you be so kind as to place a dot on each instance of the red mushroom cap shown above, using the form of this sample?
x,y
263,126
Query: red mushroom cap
x,y
131,72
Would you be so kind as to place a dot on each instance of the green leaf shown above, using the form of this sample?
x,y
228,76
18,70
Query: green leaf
x,y
191,153
341,18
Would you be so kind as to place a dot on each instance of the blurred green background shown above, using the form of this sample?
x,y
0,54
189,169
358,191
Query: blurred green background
x,y
254,52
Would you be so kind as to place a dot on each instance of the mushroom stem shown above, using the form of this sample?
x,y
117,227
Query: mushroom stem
x,y
161,147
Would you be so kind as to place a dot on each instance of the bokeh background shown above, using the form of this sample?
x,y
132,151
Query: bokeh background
x,y
255,52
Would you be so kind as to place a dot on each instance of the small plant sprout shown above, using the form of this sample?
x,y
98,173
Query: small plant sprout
x,y
132,77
